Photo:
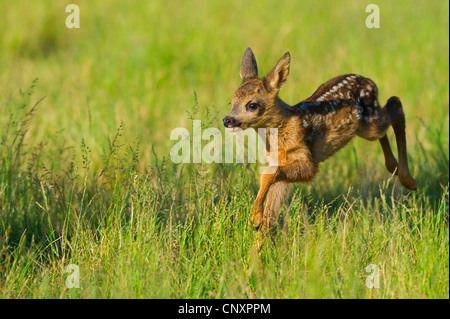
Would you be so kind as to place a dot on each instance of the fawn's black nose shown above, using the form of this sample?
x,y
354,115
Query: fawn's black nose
x,y
228,121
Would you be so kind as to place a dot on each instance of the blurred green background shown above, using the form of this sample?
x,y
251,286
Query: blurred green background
x,y
148,67
140,62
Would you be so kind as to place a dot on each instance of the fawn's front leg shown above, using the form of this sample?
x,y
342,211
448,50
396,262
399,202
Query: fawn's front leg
x,y
275,198
299,167
267,180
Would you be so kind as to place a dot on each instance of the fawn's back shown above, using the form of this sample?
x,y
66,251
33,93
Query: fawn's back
x,y
337,111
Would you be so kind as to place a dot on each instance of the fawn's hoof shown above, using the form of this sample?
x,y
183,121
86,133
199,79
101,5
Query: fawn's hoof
x,y
409,182
256,218
262,227
392,167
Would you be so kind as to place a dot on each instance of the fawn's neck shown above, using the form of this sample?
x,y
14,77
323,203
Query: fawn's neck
x,y
277,117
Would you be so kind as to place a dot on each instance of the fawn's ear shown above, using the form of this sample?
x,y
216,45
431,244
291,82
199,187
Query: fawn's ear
x,y
249,69
277,77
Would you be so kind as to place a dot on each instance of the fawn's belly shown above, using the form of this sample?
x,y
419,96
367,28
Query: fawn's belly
x,y
328,142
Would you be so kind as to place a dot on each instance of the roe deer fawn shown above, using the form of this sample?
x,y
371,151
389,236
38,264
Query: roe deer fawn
x,y
312,130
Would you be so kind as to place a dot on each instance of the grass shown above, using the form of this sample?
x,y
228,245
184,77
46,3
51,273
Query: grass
x,y
86,179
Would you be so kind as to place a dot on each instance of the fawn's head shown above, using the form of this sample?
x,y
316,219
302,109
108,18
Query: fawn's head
x,y
255,99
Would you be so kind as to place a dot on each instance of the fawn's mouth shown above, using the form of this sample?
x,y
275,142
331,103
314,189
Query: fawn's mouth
x,y
233,129
231,124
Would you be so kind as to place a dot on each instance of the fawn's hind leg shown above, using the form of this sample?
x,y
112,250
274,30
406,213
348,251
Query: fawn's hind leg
x,y
391,114
389,158
395,111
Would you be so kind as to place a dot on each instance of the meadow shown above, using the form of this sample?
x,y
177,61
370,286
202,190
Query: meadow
x,y
86,178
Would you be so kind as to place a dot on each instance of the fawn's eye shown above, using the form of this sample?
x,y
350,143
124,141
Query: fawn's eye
x,y
253,106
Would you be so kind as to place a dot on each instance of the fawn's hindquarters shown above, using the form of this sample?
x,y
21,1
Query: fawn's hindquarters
x,y
392,115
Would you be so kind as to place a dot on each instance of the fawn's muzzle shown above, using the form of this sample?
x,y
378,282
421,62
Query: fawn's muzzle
x,y
229,121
